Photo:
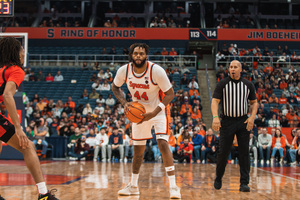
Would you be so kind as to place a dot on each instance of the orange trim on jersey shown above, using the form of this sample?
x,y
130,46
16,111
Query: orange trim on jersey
x,y
127,73
142,139
161,95
151,75
143,73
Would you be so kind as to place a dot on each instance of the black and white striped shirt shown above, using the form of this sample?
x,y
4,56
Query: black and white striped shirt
x,y
234,96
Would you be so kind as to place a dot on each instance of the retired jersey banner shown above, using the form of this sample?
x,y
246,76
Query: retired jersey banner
x,y
161,34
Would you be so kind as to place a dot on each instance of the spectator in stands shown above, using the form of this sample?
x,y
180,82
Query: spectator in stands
x,y
110,101
292,117
291,99
100,99
260,121
173,52
284,122
185,108
105,86
295,147
162,24
185,151
269,90
164,52
115,145
172,24
101,143
128,146
58,76
264,98
274,122
107,24
268,68
40,131
93,78
273,99
185,70
278,144
194,84
112,51
70,103
286,92
85,94
172,142
286,50
114,23
81,149
295,57
264,145
96,85
209,145
196,114
94,95
253,146
85,66
40,76
87,109
196,142
184,80
49,78
101,75
32,77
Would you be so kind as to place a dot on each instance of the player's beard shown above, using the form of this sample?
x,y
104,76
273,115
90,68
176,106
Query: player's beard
x,y
141,64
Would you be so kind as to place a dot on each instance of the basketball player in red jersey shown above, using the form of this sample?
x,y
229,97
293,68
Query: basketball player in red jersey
x,y
149,85
11,76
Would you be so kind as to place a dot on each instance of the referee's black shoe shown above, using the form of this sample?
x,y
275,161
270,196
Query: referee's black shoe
x,y
244,188
218,184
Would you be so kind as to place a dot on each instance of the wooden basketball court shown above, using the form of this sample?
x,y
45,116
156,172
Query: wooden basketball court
x,y
87,180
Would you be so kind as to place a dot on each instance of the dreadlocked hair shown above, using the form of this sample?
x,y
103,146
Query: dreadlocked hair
x,y
10,52
140,45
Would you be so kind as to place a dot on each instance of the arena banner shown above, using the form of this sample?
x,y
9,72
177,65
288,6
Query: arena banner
x,y
161,34
105,33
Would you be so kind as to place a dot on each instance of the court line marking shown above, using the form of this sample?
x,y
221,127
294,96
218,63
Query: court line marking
x,y
274,173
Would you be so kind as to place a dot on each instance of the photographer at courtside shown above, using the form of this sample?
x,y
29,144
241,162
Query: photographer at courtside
x,y
185,151
40,132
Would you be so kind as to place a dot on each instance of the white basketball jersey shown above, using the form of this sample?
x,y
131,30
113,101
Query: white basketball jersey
x,y
142,87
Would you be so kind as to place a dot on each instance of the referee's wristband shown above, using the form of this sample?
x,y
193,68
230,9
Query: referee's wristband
x,y
162,106
215,117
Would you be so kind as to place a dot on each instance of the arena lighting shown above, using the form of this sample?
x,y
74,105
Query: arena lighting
x,y
289,1
232,0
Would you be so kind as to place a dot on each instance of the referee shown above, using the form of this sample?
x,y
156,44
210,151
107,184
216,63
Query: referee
x,y
233,93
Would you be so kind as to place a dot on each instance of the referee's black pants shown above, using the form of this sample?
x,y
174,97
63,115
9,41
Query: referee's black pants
x,y
231,126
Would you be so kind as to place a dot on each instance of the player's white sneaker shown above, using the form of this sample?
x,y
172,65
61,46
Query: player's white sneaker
x,y
129,190
175,193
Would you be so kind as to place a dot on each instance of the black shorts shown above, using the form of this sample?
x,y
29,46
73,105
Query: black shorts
x,y
7,129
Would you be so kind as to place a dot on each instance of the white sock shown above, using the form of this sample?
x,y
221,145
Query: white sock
x,y
42,188
172,181
134,179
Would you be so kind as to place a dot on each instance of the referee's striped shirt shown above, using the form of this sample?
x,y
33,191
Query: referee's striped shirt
x,y
234,96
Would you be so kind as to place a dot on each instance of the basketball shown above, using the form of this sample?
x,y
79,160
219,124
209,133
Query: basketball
x,y
134,114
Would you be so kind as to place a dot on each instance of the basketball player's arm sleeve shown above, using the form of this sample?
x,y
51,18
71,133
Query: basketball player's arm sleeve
x,y
119,80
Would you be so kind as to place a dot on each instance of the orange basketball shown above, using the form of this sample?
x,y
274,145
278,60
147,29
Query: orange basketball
x,y
135,111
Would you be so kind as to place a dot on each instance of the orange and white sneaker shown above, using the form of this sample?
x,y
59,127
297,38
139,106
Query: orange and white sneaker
x,y
129,190
175,193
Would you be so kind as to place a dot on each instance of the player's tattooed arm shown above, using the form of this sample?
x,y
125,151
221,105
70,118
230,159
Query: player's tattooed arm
x,y
118,94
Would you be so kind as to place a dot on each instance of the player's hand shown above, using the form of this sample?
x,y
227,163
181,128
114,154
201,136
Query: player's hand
x,y
147,116
250,123
127,106
23,140
216,124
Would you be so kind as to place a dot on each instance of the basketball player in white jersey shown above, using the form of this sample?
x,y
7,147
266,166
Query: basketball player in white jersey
x,y
149,85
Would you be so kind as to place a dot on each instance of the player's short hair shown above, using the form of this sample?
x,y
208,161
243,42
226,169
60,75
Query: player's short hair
x,y
141,45
10,52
